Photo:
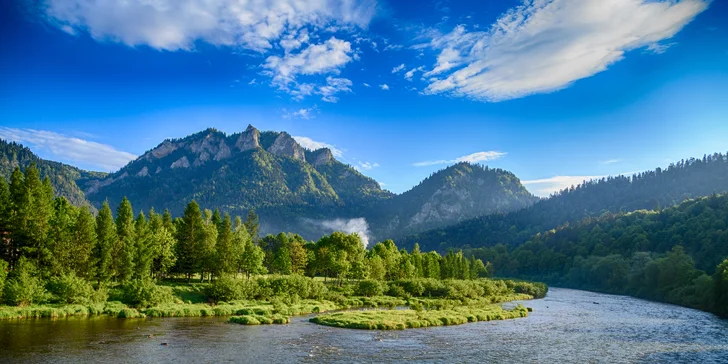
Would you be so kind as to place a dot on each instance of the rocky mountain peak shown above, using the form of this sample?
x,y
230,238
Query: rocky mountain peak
x,y
286,146
321,156
249,139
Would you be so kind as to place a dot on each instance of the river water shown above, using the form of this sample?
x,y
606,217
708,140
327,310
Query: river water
x,y
568,326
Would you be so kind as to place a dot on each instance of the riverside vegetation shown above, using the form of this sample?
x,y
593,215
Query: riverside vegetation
x,y
59,260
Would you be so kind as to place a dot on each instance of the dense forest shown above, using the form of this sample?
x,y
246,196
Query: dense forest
x,y
677,255
55,252
648,190
64,178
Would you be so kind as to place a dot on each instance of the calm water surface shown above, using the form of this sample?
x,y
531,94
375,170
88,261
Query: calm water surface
x,y
565,327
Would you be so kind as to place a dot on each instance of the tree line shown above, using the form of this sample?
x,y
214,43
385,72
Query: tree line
x,y
660,188
676,255
45,238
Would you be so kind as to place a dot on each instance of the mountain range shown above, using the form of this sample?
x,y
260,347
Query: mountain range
x,y
311,193
291,188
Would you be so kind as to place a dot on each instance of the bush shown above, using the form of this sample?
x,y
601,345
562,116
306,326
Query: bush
x,y
397,291
288,286
224,289
370,288
3,275
23,287
145,293
71,289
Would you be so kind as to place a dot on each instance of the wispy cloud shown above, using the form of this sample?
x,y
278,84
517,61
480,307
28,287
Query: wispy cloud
x,y
366,84
398,68
470,158
102,156
384,87
611,161
305,114
366,165
311,144
547,186
409,74
545,45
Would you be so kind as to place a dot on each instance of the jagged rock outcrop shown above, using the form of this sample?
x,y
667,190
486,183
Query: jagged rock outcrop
x,y
144,172
321,157
286,146
164,149
94,186
181,163
249,139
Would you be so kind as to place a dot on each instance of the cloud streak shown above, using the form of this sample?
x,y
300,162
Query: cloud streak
x,y
543,46
470,158
102,156
311,144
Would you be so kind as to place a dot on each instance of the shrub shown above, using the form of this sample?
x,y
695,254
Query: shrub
x,y
370,288
145,293
23,287
288,286
224,289
75,290
397,291
3,275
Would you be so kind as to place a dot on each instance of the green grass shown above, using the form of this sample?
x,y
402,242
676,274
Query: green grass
x,y
411,319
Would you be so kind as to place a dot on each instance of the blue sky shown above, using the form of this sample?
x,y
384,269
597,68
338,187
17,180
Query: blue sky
x,y
556,91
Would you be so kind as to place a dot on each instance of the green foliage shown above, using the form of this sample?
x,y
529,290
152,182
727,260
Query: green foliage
x,y
71,289
226,289
656,189
3,277
370,288
720,279
23,286
145,293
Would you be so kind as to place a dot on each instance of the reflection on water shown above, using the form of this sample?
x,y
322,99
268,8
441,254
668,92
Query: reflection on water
x,y
566,326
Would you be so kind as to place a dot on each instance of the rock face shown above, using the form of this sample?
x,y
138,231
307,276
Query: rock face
x,y
322,157
181,163
96,185
144,172
164,149
286,146
249,139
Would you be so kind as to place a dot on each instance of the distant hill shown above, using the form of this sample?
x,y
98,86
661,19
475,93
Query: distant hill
x,y
649,190
64,178
458,192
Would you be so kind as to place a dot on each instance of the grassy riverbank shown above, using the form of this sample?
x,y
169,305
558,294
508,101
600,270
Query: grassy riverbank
x,y
412,319
274,299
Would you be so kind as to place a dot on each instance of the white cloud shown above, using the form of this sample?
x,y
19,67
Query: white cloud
x,y
545,45
349,226
470,158
311,144
382,184
324,58
178,24
278,29
366,165
411,73
393,47
366,85
398,68
305,114
611,161
332,87
547,186
95,154
384,87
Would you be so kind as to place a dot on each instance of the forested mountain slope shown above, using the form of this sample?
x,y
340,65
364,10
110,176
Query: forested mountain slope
x,y
661,255
648,190
63,177
266,171
453,194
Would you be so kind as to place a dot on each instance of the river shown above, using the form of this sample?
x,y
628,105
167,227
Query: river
x,y
568,326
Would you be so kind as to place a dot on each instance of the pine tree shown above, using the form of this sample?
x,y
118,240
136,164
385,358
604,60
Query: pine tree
x,y
189,234
252,224
162,244
225,260
20,201
84,230
106,240
143,249
62,237
127,243
6,210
